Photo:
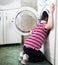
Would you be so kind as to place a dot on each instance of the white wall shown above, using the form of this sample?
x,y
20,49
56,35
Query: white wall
x,y
30,3
9,4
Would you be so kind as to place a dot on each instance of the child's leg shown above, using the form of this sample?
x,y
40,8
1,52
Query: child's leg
x,y
40,56
37,56
34,56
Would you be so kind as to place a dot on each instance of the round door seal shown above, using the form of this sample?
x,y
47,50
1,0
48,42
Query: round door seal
x,y
25,10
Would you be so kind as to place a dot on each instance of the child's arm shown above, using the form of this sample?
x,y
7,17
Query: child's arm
x,y
50,23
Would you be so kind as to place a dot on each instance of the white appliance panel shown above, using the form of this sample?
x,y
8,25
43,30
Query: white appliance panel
x,y
10,34
1,27
50,45
9,4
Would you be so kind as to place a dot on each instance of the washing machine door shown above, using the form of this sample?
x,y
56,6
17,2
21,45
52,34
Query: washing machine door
x,y
25,20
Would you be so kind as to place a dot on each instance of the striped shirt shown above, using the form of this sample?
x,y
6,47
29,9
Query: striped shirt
x,y
37,37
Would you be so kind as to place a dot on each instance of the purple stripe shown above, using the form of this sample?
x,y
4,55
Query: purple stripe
x,y
37,36
37,41
27,45
37,33
34,43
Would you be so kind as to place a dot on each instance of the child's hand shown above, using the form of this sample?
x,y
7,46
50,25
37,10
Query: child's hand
x,y
52,8
30,33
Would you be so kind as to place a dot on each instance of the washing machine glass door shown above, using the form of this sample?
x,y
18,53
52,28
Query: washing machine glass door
x,y
25,20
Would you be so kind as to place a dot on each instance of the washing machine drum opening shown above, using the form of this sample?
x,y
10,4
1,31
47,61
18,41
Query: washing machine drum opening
x,y
25,20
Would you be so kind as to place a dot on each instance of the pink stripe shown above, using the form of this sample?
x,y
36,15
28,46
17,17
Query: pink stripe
x,y
32,46
36,41
38,36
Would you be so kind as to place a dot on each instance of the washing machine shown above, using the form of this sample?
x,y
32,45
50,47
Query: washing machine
x,y
49,48
17,23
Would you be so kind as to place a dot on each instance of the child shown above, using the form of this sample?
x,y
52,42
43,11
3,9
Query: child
x,y
31,50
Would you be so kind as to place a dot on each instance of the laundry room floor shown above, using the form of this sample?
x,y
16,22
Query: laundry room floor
x,y
9,55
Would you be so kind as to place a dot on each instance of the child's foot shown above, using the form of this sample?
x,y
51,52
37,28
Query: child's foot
x,y
21,56
23,62
25,59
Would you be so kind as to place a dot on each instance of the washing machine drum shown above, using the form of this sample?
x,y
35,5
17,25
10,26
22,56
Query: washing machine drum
x,y
25,20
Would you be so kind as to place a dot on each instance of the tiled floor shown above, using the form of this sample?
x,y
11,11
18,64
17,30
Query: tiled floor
x,y
9,56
